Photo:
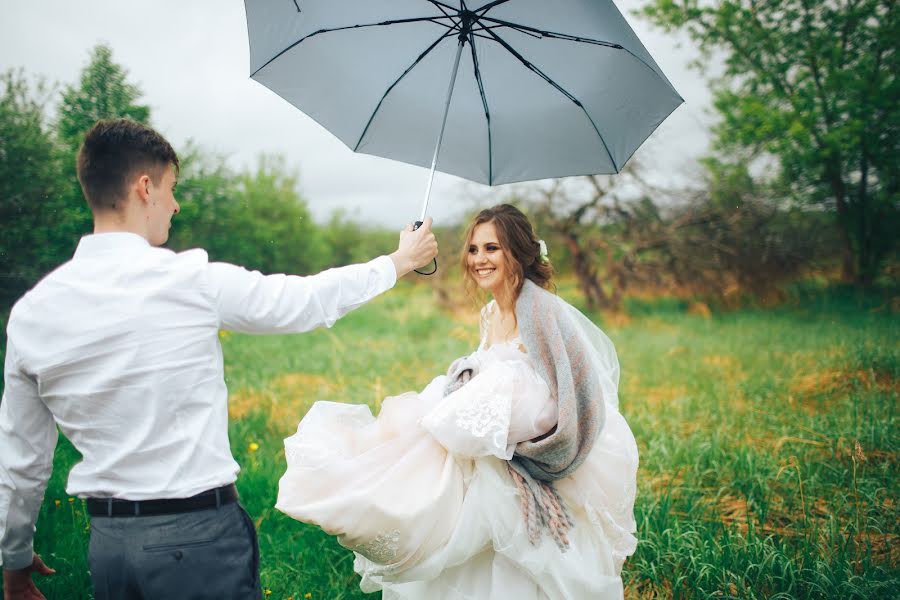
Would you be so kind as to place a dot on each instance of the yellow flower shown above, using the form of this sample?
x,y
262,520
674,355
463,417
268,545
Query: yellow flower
x,y
57,502
267,592
307,595
71,500
224,335
253,447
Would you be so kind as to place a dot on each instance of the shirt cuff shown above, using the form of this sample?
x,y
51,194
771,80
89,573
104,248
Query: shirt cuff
x,y
386,270
12,561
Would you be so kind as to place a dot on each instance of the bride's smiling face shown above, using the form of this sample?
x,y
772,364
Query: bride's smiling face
x,y
487,259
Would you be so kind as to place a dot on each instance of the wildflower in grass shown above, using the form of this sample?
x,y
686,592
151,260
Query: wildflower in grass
x,y
224,335
267,592
71,500
253,447
307,595
858,452
57,502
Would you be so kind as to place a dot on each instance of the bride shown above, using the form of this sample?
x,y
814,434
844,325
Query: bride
x,y
512,476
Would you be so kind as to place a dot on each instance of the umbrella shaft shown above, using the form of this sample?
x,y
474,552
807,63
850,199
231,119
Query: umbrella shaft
x,y
437,147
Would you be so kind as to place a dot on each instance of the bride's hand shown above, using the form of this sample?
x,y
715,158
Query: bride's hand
x,y
416,249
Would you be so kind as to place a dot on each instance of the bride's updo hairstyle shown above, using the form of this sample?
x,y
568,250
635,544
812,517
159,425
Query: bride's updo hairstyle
x,y
519,245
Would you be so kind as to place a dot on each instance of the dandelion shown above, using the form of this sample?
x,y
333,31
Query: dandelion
x,y
307,595
224,335
267,592
71,500
57,502
253,447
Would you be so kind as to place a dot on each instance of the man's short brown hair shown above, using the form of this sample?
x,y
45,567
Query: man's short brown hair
x,y
113,153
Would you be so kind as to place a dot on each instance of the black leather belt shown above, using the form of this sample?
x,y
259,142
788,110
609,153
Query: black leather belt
x,y
113,507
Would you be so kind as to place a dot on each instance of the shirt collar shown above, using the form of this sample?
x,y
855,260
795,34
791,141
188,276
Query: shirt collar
x,y
105,242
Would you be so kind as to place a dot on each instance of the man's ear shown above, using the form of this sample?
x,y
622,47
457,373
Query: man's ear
x,y
142,187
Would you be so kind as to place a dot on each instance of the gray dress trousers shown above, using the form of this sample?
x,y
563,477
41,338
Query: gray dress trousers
x,y
211,553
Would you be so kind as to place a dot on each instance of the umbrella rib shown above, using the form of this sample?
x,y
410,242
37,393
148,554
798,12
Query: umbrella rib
x,y
454,18
487,112
553,34
396,81
574,38
444,4
434,19
533,68
483,10
513,27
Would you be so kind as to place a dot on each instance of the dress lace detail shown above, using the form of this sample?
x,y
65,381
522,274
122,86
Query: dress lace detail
x,y
488,417
382,549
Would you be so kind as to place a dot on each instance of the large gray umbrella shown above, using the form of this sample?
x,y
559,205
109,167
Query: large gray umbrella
x,y
545,88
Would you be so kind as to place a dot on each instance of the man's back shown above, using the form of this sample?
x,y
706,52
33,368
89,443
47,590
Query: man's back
x,y
122,343
119,349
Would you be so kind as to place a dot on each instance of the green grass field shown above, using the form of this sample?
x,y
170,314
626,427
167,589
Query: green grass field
x,y
768,442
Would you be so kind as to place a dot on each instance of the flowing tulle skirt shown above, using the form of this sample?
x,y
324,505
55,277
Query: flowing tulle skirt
x,y
425,524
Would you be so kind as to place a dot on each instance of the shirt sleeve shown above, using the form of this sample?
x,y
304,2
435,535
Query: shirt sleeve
x,y
27,440
250,302
503,405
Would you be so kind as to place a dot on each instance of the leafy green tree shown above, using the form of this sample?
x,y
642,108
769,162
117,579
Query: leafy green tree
x,y
814,84
103,92
350,242
273,228
255,219
30,188
209,196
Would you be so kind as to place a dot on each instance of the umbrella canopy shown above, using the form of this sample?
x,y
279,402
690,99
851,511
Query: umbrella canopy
x,y
544,89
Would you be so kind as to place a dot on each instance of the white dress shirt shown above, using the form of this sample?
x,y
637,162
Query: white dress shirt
x,y
119,348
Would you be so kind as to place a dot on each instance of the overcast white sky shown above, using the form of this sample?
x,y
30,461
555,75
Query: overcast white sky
x,y
190,58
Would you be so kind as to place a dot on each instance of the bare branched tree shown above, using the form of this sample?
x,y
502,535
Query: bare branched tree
x,y
623,233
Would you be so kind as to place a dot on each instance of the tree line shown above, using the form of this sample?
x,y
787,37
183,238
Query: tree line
x,y
803,176
253,217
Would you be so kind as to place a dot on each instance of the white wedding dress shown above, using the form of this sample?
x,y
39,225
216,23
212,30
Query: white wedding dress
x,y
422,495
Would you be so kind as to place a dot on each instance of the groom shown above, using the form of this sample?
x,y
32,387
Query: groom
x,y
119,349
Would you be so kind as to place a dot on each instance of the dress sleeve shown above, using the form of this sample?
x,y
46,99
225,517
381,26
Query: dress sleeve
x,y
504,404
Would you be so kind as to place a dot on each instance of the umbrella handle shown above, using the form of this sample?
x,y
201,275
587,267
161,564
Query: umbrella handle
x,y
434,260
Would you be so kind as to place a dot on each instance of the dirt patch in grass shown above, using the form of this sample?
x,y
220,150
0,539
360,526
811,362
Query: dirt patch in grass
x,y
658,395
651,396
820,390
885,547
809,520
728,367
665,481
700,309
655,324
615,319
283,401
768,442
648,590
243,401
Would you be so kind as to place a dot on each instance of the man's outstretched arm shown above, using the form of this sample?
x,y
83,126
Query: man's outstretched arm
x,y
255,303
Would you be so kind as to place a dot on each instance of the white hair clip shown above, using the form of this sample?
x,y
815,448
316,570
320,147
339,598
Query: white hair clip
x,y
543,251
